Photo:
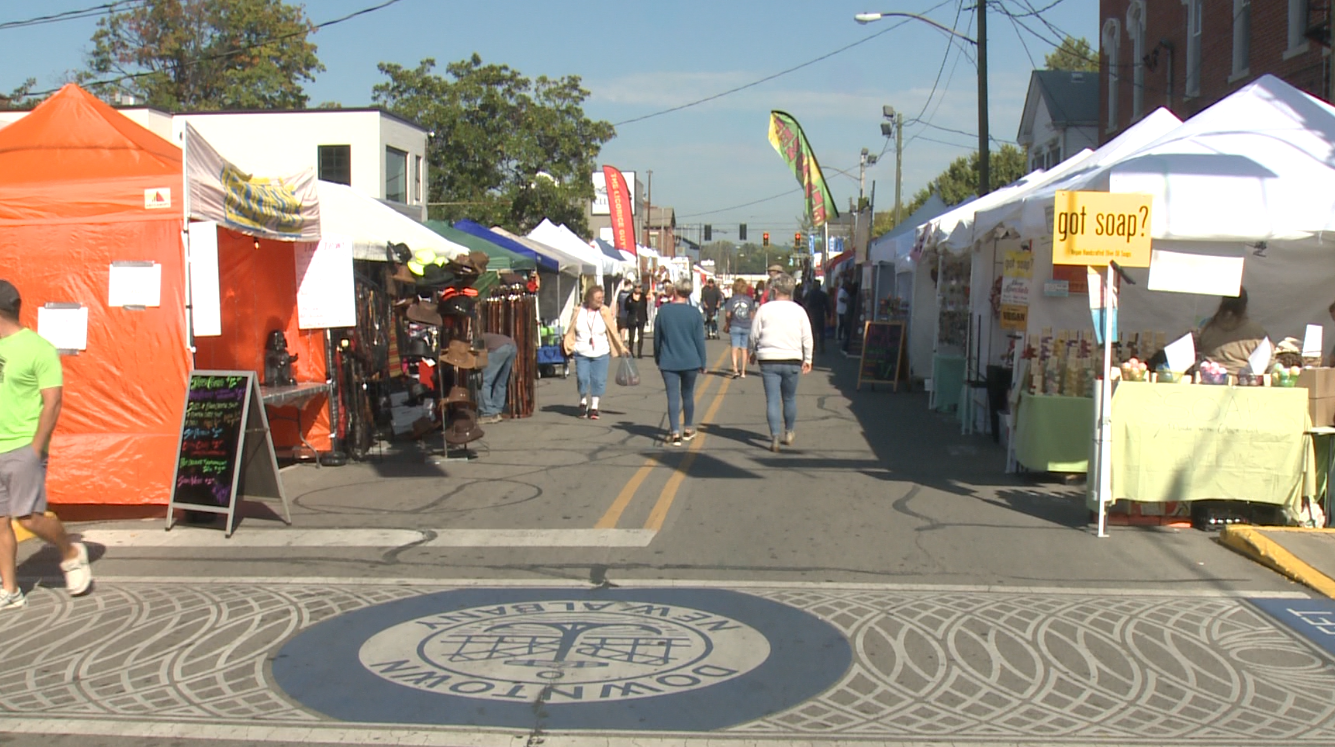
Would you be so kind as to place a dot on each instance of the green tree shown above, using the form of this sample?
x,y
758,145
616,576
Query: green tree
x,y
17,98
204,54
507,150
1074,55
959,181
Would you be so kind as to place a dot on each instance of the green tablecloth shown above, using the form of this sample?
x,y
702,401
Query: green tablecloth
x,y
947,381
1053,434
1177,442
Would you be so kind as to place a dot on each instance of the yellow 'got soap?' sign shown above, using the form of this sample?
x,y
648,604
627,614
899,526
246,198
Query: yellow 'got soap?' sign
x,y
1093,228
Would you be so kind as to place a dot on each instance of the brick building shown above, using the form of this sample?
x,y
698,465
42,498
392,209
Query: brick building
x,y
1187,54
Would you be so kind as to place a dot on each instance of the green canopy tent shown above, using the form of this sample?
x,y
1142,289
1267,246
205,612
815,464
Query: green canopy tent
x,y
502,259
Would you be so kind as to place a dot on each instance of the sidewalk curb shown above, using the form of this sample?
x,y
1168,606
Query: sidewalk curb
x,y
1252,542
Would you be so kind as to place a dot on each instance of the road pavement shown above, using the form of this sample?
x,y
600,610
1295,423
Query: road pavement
x,y
581,582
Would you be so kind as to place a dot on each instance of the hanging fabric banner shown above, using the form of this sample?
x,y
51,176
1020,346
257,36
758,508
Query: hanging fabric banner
x,y
618,203
282,208
786,135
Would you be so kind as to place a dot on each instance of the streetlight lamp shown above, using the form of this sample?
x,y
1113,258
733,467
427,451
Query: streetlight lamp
x,y
984,161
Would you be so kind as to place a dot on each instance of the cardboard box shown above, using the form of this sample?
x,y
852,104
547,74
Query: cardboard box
x,y
1320,386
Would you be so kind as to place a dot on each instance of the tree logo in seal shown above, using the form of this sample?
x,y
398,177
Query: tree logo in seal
x,y
657,659
569,650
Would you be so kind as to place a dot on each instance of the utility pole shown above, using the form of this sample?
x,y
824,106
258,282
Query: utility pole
x,y
648,208
984,154
893,127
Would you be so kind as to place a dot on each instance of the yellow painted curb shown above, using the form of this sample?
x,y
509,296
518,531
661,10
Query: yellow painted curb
x,y
21,534
1253,543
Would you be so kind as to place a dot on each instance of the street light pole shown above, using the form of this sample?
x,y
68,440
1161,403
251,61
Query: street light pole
x,y
984,159
984,145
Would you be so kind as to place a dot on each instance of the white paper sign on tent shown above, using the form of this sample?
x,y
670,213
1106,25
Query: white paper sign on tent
x,y
326,291
1207,274
1259,360
205,296
134,283
1312,341
1181,354
65,326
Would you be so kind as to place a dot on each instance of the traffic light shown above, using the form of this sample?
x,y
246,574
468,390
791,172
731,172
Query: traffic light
x,y
797,239
741,232
709,232
765,238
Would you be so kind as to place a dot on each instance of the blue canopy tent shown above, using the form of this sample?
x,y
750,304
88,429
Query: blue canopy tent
x,y
476,229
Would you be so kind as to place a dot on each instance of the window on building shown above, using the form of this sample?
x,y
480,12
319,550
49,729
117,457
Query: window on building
x,y
1242,37
1297,28
1195,10
418,177
1135,27
335,163
396,175
1112,38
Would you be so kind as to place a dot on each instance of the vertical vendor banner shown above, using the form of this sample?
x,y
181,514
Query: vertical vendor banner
x,y
618,204
1016,277
786,135
1099,303
284,208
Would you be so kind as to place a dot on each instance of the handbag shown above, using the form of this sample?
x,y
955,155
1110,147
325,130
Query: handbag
x,y
628,374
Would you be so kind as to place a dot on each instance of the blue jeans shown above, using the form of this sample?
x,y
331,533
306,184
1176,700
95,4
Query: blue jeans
x,y
591,374
496,380
681,397
780,395
741,337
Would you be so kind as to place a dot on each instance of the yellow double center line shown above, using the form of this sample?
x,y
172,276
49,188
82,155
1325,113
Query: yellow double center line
x,y
660,510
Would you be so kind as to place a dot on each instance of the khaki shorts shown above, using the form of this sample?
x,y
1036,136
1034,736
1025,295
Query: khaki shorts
x,y
22,482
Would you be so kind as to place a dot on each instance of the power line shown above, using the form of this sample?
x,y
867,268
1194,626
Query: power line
x,y
238,50
69,15
768,78
739,207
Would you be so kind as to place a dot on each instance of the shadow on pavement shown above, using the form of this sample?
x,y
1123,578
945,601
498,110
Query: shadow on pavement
x,y
913,444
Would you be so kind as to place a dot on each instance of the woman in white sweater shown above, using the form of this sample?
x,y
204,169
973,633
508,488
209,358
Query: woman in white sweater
x,y
781,343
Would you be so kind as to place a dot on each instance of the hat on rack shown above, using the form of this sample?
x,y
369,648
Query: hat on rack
x,y
463,429
458,396
423,312
457,305
459,355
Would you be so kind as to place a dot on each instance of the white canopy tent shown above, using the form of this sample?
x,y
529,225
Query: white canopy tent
x,y
562,238
1251,177
1006,218
371,225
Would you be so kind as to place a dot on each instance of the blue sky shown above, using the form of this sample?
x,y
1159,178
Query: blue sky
x,y
637,58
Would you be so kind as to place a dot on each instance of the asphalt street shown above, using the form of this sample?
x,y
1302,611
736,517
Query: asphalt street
x,y
881,580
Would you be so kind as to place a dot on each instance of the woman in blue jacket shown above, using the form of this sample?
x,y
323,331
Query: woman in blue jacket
x,y
679,351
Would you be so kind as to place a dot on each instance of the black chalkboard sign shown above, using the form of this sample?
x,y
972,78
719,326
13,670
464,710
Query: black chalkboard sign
x,y
225,450
883,356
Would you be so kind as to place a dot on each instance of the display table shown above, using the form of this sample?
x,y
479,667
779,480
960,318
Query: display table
x,y
1179,442
947,381
295,397
1054,433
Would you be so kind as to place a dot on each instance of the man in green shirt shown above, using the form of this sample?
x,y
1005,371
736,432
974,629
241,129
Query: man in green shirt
x,y
30,395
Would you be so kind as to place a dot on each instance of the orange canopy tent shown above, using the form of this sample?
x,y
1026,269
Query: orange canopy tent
x,y
81,186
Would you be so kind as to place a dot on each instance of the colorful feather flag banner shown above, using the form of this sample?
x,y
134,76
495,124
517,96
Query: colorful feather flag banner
x,y
786,135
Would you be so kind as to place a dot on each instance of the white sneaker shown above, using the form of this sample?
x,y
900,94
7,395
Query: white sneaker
x,y
78,573
12,601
